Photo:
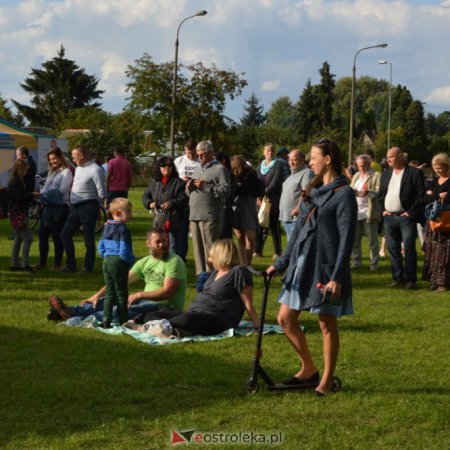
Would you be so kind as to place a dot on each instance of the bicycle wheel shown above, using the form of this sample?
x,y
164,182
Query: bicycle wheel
x,y
34,214
101,219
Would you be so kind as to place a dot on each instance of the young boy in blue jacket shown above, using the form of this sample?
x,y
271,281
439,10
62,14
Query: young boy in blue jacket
x,y
116,248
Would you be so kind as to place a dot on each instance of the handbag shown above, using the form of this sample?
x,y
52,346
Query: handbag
x,y
432,210
167,221
264,212
441,223
18,219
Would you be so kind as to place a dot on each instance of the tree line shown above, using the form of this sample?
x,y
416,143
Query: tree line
x,y
64,96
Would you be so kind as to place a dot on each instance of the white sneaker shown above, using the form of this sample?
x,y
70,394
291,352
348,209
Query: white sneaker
x,y
158,328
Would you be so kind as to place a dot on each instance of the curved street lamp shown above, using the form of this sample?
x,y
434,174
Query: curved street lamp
x,y
174,91
350,139
390,100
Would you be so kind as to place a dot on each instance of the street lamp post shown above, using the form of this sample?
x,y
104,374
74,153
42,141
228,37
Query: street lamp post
x,y
350,139
174,91
390,100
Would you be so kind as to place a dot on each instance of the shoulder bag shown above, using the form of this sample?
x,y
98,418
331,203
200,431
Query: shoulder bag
x,y
264,212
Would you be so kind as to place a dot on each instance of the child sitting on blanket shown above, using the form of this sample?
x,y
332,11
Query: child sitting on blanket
x,y
226,295
116,248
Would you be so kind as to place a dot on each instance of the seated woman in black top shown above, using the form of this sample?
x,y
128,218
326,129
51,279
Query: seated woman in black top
x,y
226,295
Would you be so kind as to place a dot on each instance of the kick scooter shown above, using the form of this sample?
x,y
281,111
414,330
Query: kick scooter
x,y
252,386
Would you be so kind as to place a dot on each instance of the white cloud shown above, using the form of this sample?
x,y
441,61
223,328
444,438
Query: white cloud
x,y
47,49
113,63
192,55
270,85
112,77
439,96
277,43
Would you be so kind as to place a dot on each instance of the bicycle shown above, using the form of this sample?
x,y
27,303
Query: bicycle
x,y
34,212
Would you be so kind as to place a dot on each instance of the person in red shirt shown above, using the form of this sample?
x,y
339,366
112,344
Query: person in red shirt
x,y
119,175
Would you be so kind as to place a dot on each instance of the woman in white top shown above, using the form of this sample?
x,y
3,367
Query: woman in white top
x,y
55,199
366,183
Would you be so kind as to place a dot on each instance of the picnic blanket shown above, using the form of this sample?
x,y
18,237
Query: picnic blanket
x,y
245,328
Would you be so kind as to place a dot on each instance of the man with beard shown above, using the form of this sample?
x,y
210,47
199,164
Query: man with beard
x,y
163,272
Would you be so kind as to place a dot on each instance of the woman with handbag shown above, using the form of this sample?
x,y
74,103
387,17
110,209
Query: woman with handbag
x,y
271,172
245,220
317,259
166,197
436,244
19,201
55,198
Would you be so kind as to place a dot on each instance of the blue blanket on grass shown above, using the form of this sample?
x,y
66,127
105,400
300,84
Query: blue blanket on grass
x,y
245,328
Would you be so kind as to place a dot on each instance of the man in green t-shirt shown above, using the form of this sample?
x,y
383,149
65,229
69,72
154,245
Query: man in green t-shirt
x,y
163,272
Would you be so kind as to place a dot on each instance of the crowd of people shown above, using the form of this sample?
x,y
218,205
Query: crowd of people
x,y
324,210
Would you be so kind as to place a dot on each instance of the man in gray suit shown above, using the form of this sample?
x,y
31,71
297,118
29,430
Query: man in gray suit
x,y
208,188
294,185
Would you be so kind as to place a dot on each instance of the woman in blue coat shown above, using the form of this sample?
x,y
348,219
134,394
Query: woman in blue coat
x,y
320,254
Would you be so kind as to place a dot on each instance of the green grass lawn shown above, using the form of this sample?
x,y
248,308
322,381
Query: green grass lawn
x,y
76,388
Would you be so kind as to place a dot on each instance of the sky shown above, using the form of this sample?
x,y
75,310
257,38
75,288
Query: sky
x,y
278,44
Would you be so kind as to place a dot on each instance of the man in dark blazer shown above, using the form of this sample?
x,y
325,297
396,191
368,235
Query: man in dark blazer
x,y
402,189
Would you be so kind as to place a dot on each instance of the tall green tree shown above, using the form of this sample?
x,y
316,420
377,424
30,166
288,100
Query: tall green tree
x,y
401,99
307,114
253,112
325,96
5,111
102,131
282,113
202,93
443,123
415,131
60,86
86,118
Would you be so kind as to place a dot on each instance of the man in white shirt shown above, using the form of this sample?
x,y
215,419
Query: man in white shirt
x,y
88,193
186,165
401,194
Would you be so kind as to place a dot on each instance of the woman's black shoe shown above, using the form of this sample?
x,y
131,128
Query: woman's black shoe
x,y
312,381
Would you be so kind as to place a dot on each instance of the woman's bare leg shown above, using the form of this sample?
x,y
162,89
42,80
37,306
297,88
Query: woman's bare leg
x,y
241,245
330,335
288,319
250,236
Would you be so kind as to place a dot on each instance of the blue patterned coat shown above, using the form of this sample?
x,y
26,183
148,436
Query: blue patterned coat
x,y
325,240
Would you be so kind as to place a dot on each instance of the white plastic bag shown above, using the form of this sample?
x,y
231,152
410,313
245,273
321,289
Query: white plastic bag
x,y
264,212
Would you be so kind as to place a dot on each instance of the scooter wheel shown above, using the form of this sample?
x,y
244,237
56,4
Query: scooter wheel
x,y
252,387
337,384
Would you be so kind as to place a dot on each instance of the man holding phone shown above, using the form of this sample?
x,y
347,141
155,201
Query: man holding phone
x,y
186,165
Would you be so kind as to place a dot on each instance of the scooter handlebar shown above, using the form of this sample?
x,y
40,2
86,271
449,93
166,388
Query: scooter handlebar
x,y
257,273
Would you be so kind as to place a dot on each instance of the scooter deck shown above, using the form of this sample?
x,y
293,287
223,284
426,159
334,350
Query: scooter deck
x,y
291,387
